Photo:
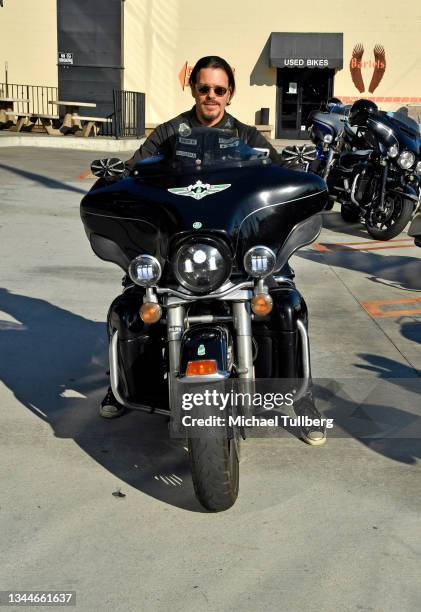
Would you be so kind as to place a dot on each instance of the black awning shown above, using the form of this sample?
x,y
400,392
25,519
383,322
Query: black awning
x,y
306,50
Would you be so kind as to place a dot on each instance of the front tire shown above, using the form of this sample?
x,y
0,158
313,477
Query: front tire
x,y
215,472
397,217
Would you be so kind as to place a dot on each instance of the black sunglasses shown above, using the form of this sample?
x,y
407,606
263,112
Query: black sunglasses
x,y
219,90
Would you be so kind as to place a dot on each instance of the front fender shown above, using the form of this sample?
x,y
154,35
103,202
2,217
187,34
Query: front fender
x,y
407,192
203,342
415,228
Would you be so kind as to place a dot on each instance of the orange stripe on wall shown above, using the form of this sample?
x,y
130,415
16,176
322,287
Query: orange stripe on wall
x,y
402,100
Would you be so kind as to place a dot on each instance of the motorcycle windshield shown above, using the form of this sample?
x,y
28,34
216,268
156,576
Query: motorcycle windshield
x,y
202,148
212,184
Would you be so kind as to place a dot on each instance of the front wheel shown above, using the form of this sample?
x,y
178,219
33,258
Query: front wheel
x,y
387,224
215,471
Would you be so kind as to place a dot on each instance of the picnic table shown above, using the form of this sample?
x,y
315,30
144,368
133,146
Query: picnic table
x,y
72,119
73,122
7,112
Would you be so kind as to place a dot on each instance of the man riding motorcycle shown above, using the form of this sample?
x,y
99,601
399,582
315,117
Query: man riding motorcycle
x,y
212,86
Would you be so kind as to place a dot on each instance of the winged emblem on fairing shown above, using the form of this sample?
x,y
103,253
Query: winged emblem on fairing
x,y
199,190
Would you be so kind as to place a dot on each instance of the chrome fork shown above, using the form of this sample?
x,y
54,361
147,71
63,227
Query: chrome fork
x,y
242,326
175,328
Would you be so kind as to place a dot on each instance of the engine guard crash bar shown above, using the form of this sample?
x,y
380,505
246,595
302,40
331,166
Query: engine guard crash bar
x,y
305,345
113,356
114,378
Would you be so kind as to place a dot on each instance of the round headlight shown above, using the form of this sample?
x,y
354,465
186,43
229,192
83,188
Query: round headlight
x,y
259,261
202,267
145,270
393,151
418,168
406,160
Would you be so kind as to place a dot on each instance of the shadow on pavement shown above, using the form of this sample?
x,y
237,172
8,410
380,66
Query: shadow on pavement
x,y
334,222
387,416
411,328
55,366
45,181
400,271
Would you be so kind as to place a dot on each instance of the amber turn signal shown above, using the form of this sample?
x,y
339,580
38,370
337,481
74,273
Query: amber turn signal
x,y
150,312
201,367
261,304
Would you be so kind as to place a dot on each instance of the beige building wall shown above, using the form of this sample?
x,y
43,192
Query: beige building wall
x,y
161,35
28,42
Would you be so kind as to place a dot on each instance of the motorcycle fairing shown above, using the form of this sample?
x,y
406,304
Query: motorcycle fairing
x,y
390,131
138,214
326,124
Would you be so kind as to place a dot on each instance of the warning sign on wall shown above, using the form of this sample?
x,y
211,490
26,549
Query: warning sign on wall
x,y
65,58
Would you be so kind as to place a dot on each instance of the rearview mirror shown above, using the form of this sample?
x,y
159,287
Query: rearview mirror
x,y
110,166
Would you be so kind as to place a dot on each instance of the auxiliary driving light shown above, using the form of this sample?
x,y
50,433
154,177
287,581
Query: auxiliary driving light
x,y
150,312
259,261
202,367
261,304
393,151
145,270
406,160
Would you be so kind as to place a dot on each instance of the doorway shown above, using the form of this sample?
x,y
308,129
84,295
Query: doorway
x,y
299,91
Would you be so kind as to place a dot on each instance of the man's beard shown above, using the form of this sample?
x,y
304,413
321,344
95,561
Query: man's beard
x,y
208,116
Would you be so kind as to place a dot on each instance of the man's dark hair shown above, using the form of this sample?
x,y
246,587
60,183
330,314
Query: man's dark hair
x,y
213,61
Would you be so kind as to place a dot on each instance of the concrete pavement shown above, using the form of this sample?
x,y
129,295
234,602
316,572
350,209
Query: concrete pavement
x,y
326,529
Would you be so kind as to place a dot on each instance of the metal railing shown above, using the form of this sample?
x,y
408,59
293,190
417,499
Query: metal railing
x,y
129,114
128,119
38,96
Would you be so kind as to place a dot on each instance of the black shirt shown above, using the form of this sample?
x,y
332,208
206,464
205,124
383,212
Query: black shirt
x,y
159,140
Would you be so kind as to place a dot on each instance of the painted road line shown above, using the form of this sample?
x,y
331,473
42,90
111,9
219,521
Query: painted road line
x,y
393,308
334,247
85,175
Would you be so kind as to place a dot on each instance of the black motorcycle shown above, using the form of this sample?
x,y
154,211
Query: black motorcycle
x,y
204,236
371,165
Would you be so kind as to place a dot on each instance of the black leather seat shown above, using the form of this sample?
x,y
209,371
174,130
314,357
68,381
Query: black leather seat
x,y
350,158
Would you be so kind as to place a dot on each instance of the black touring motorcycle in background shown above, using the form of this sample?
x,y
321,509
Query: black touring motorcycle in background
x,y
371,163
204,237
